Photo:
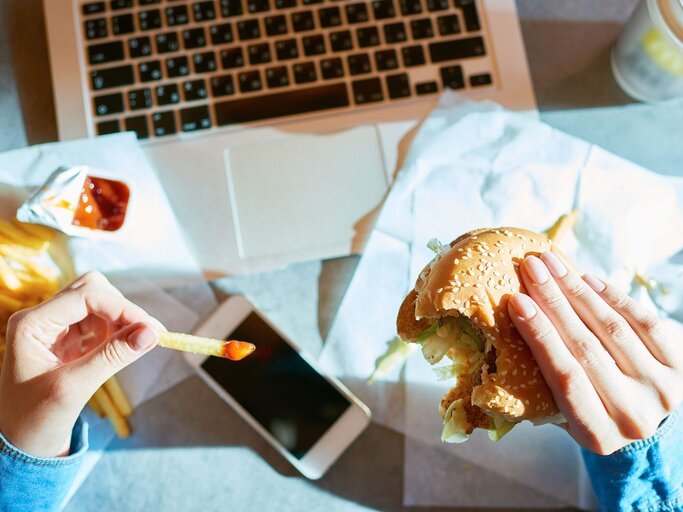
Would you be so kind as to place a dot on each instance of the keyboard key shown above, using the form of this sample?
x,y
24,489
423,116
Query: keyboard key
x,y
329,17
357,13
112,77
105,52
250,81
138,125
311,2
177,66
303,21
108,104
107,127
457,49
451,76
222,85
196,118
277,77
164,123
221,34
232,58
167,94
139,47
204,11
259,53
122,24
93,8
96,29
383,9
386,59
448,25
426,88
149,71
167,42
231,8
314,45
194,90
286,49
150,20
204,62
422,29
298,101
398,86
177,15
341,41
331,68
304,72
115,5
437,5
395,33
276,25
368,36
359,64
258,5
480,80
367,91
194,38
469,13
139,99
285,4
413,56
409,7
148,2
248,29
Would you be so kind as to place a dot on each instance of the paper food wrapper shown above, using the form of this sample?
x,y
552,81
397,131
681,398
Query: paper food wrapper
x,y
476,165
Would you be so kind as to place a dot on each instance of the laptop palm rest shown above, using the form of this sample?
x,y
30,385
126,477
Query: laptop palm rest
x,y
301,196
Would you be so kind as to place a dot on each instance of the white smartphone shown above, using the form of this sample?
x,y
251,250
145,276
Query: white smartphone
x,y
309,417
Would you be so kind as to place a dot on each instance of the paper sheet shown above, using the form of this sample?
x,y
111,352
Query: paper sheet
x,y
151,263
474,165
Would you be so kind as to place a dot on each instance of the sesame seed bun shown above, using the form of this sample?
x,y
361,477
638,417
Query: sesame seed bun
x,y
474,280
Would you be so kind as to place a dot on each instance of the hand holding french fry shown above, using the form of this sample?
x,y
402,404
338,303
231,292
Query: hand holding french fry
x,y
59,353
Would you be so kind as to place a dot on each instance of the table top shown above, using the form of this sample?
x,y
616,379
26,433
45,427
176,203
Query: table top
x,y
190,451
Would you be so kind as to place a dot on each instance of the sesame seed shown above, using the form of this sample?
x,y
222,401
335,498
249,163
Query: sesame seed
x,y
538,395
439,290
526,402
456,261
496,273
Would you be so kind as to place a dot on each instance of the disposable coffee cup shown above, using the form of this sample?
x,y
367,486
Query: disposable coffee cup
x,y
647,60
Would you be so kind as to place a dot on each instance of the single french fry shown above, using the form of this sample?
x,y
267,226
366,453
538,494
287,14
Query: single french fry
x,y
119,423
234,350
96,407
118,396
36,230
8,277
22,237
10,303
562,226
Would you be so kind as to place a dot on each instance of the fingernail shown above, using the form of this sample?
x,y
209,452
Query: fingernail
x,y
536,269
142,339
594,283
554,263
523,306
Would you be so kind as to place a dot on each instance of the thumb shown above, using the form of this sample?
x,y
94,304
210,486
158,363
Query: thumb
x,y
121,349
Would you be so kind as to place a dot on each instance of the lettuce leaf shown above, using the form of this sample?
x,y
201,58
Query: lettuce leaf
x,y
455,424
396,354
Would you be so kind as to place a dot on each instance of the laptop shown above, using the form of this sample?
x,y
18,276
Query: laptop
x,y
275,125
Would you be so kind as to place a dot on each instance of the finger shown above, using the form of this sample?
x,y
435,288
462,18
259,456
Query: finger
x,y
82,338
582,343
613,331
573,391
121,349
664,345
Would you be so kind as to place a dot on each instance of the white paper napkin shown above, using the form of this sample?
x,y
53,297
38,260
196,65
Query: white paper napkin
x,y
474,165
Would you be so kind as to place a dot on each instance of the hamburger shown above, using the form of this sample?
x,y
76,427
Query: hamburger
x,y
458,314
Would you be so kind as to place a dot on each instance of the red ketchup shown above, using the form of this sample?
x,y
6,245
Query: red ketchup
x,y
236,350
102,205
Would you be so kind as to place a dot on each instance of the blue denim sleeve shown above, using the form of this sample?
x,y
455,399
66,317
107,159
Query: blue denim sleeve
x,y
29,484
645,476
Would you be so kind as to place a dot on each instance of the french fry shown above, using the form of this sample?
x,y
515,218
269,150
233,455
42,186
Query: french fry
x,y
8,277
562,226
117,396
96,407
36,230
117,420
22,237
10,303
233,350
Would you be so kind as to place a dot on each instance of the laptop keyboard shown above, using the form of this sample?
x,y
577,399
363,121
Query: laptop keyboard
x,y
161,68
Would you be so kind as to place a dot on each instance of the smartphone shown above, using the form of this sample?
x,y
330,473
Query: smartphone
x,y
309,417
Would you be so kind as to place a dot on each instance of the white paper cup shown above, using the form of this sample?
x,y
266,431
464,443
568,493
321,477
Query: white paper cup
x,y
647,60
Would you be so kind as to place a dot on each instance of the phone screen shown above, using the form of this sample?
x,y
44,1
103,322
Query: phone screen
x,y
278,388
